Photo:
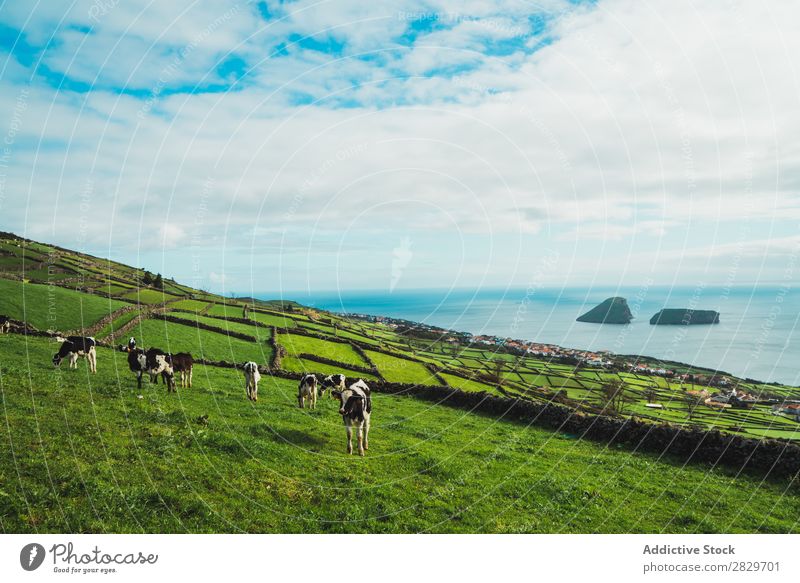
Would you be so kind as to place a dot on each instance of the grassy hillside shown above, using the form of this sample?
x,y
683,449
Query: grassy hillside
x,y
91,453
86,454
52,307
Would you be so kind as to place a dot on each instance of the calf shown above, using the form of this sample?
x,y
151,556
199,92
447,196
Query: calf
x,y
129,347
73,347
334,381
307,390
152,362
356,410
182,363
251,378
157,362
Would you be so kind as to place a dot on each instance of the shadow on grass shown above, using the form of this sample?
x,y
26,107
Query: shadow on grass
x,y
290,436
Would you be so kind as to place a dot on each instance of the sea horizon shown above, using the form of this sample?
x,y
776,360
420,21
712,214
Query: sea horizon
x,y
755,338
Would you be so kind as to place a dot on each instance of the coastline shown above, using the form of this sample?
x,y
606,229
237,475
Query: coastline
x,y
741,345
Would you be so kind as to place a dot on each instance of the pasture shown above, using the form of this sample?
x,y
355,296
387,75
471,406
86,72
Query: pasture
x,y
90,453
51,307
86,454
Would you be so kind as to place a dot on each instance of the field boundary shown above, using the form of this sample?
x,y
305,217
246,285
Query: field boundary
x,y
332,362
775,457
207,327
772,458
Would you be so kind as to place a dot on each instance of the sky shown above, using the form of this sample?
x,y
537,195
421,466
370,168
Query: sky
x,y
264,147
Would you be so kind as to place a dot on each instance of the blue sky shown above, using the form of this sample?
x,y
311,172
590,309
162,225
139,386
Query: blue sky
x,y
266,147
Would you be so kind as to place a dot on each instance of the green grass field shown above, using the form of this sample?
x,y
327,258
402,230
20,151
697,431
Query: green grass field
x,y
344,353
116,324
85,454
294,364
258,332
399,370
200,343
51,307
189,305
148,296
468,384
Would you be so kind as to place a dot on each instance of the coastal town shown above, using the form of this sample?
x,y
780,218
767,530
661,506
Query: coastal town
x,y
714,389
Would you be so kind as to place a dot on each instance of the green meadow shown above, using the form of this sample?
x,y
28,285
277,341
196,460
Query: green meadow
x,y
91,453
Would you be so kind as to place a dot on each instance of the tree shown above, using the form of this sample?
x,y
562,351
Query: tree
x,y
650,394
693,403
497,372
613,398
147,279
158,282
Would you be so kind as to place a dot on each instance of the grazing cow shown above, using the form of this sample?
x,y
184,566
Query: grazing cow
x,y
130,347
5,324
182,363
251,378
74,346
307,390
334,381
152,362
158,362
356,410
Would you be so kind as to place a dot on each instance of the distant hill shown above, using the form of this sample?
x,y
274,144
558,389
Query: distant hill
x,y
611,311
684,317
40,263
440,403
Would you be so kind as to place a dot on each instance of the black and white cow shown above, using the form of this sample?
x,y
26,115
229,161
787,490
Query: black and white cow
x,y
356,410
332,382
5,324
152,362
127,347
251,378
307,390
73,347
182,363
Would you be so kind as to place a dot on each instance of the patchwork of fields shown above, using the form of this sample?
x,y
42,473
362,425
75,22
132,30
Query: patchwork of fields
x,y
90,453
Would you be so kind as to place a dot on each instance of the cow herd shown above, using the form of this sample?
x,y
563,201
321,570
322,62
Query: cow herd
x,y
155,362
355,402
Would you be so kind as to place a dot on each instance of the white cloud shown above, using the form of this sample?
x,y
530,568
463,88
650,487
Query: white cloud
x,y
639,119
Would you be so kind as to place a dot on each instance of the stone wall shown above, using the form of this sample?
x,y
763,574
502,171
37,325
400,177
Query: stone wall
x,y
772,457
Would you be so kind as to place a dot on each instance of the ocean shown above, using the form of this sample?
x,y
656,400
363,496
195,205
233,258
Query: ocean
x,y
757,336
